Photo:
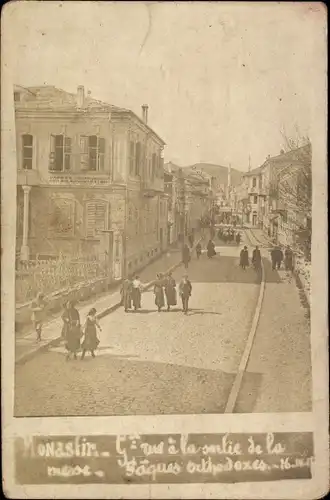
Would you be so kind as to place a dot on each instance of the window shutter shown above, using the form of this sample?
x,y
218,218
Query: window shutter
x,y
90,218
84,152
96,214
131,159
101,153
52,153
67,153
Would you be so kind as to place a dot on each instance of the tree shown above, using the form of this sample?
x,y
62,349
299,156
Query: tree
x,y
292,187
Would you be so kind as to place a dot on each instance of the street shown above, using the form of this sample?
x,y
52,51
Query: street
x,y
163,363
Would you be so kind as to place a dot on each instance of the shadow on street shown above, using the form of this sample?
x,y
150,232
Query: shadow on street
x,y
133,388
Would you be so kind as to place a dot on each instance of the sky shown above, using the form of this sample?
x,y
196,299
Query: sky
x,y
223,81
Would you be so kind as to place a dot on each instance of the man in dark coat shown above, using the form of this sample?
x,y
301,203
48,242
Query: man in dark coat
x,y
256,258
185,289
185,256
244,258
277,257
238,238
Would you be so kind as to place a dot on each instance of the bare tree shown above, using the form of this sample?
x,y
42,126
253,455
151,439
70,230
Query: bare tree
x,y
292,188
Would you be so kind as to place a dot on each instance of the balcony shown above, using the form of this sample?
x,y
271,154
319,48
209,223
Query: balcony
x,y
82,178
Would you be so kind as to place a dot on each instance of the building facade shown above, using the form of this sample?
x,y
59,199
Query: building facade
x,y
279,195
89,180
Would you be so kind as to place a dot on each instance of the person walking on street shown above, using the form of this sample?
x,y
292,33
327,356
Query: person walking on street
x,y
38,312
185,256
256,258
191,240
288,259
159,292
126,294
244,258
185,289
170,291
198,250
91,340
136,293
211,249
65,320
73,336
238,238
277,257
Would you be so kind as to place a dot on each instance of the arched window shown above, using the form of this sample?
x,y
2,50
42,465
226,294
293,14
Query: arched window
x,y
27,151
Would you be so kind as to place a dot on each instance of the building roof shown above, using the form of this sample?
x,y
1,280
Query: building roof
x,y
50,98
281,159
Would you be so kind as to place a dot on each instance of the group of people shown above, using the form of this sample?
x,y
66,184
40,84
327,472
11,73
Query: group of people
x,y
76,336
277,258
244,258
210,252
229,235
164,288
276,254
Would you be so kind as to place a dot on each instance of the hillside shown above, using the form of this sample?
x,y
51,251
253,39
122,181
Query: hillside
x,y
217,171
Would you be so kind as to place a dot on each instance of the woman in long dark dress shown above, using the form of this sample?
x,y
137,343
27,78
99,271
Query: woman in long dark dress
x,y
244,258
170,291
65,319
91,340
211,249
159,292
73,333
126,294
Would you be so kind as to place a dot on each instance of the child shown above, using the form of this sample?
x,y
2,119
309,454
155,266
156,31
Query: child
x,y
91,341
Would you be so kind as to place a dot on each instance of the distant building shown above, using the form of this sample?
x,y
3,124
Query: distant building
x,y
90,180
279,194
190,198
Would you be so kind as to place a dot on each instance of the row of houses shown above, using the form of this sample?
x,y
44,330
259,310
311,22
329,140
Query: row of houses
x,y
277,197
90,182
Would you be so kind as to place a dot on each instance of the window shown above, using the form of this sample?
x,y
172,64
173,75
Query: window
x,y
92,152
60,153
255,200
153,165
137,158
254,182
131,157
27,151
96,218
17,96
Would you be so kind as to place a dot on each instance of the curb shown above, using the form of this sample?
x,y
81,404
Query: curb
x,y
57,340
233,395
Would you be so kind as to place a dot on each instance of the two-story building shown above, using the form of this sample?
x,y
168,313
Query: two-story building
x,y
89,180
255,187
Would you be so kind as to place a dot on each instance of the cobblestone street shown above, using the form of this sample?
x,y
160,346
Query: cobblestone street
x,y
162,363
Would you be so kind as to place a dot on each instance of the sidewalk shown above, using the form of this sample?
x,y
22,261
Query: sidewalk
x,y
26,346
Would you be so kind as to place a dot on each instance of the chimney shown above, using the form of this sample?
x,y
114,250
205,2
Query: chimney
x,y
80,96
145,108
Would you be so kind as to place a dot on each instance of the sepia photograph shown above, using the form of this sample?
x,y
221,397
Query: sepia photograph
x,y
163,176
